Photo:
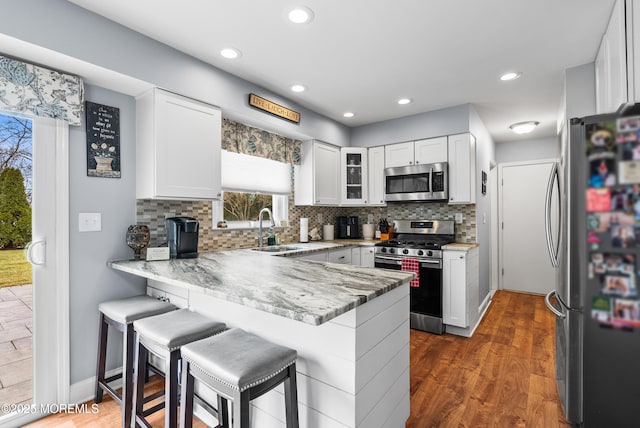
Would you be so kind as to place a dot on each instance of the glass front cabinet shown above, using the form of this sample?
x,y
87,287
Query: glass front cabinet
x,y
353,165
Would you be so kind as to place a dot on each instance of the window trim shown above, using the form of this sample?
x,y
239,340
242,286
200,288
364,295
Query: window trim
x,y
280,211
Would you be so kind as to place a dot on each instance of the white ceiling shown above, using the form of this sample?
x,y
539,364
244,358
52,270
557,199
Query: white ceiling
x,y
363,55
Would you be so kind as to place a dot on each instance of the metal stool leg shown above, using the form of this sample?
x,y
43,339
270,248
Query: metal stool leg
x,y
102,357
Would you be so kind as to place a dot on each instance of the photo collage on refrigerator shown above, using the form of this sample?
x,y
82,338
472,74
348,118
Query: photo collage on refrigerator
x,y
613,221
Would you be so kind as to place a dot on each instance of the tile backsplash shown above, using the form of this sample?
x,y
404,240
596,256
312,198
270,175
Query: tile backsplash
x,y
153,213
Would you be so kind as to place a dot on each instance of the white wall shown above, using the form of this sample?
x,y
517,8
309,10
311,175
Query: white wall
x,y
448,121
525,150
91,281
68,29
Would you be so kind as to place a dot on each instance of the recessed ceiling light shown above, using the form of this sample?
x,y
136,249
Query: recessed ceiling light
x,y
300,15
512,75
298,88
524,127
230,53
402,101
349,114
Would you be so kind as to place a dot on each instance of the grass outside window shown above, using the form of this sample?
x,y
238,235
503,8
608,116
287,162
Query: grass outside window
x,y
14,268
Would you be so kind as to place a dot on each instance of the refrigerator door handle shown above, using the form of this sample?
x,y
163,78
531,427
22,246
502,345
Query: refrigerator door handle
x,y
551,307
547,215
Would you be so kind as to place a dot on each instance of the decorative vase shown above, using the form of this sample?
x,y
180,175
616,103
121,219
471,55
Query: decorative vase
x,y
138,236
103,163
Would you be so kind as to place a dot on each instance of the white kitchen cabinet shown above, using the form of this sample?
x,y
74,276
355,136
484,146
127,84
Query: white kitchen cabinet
x,y
177,147
430,150
376,183
633,49
399,154
367,256
611,63
462,169
342,255
317,178
317,256
353,171
356,254
455,299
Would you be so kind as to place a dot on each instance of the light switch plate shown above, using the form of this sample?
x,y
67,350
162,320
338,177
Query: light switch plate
x,y
89,222
369,218
319,218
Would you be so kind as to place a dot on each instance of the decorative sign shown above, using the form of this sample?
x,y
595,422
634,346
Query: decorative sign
x,y
103,140
273,108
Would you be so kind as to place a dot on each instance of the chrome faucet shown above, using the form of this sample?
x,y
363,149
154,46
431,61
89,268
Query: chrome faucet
x,y
262,211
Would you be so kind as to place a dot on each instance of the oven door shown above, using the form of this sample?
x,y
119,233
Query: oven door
x,y
426,299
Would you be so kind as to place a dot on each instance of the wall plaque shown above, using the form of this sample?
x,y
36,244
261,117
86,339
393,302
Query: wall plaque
x,y
273,108
103,140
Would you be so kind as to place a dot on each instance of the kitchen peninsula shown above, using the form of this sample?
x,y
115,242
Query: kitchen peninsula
x,y
350,326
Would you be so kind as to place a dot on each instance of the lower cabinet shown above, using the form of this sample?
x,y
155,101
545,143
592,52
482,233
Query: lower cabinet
x,y
358,256
343,255
367,256
459,285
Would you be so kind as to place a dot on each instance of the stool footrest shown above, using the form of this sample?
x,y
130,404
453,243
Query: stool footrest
x,y
112,392
153,396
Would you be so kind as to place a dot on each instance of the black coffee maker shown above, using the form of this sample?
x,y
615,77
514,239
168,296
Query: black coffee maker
x,y
182,237
347,227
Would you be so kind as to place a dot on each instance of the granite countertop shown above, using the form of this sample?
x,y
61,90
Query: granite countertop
x,y
459,246
302,290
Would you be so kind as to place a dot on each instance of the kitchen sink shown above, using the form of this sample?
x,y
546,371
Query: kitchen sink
x,y
276,248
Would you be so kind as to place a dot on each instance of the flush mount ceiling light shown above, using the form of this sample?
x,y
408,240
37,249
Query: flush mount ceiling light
x,y
300,15
298,88
511,75
524,127
403,101
230,53
349,114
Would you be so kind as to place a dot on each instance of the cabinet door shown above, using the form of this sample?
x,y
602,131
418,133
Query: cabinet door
x,y
356,255
353,168
376,175
617,58
633,53
462,169
454,288
367,257
400,154
342,255
602,76
318,256
326,174
187,148
431,150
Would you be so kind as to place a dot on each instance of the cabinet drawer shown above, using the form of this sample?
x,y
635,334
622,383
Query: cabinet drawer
x,y
340,256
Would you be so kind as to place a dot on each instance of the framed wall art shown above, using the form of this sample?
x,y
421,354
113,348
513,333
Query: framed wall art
x,y
103,140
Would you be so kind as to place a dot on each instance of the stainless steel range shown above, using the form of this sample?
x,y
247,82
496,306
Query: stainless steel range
x,y
417,246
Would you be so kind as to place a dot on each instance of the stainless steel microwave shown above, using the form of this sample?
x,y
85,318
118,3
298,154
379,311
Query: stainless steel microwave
x,y
425,182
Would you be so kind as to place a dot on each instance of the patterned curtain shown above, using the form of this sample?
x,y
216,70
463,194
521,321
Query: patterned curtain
x,y
239,138
27,88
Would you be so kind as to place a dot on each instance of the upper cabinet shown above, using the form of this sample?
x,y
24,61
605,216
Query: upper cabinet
x,y
429,150
376,175
462,169
317,179
353,170
617,62
177,147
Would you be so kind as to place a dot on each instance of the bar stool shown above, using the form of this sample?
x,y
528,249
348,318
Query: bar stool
x,y
120,314
163,335
240,367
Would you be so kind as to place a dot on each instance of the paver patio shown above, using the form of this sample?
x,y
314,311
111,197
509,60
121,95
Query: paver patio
x,y
16,325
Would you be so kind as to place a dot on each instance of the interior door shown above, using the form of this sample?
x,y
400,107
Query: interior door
x,y
524,255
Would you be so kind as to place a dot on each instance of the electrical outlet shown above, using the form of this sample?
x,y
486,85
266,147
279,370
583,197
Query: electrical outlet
x,y
369,218
458,218
319,218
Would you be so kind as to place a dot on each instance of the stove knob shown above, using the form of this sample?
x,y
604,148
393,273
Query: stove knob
x,y
391,250
420,253
405,251
429,253
383,250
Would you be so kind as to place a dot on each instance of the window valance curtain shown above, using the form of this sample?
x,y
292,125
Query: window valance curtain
x,y
240,138
28,88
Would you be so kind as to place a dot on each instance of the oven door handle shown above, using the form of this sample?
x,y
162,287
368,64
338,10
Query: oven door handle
x,y
386,259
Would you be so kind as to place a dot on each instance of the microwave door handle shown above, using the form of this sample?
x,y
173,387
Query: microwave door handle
x,y
430,181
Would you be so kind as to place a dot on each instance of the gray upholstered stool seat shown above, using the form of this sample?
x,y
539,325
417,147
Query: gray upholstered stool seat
x,y
238,366
163,335
121,314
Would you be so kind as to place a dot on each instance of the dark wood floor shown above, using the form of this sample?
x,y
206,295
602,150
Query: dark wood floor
x,y
501,377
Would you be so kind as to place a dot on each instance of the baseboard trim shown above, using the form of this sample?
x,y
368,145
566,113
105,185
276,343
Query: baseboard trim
x,y
85,390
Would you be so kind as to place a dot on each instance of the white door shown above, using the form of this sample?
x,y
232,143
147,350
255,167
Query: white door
x,y
524,258
48,253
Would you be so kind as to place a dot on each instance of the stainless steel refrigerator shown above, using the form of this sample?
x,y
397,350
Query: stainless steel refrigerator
x,y
594,242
